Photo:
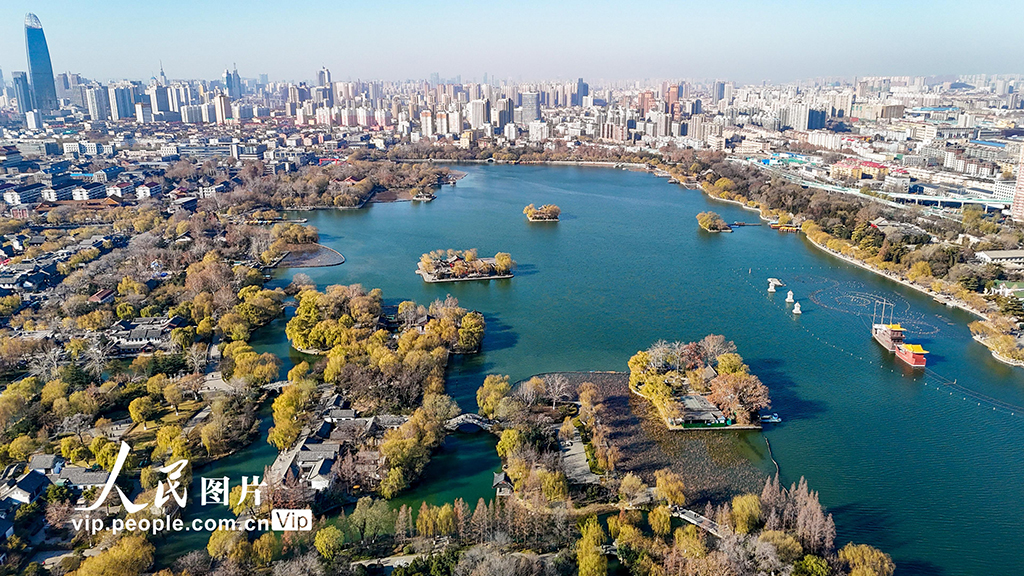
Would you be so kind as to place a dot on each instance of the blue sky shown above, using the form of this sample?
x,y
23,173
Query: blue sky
x,y
743,40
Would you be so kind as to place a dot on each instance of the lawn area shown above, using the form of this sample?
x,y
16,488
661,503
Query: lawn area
x,y
140,438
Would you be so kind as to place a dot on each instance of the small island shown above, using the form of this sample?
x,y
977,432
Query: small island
x,y
699,384
464,265
546,213
712,222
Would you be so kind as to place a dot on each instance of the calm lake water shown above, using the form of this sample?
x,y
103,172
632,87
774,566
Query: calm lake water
x,y
924,471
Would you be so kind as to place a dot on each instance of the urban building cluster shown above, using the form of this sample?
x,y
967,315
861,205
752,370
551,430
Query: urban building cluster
x,y
943,142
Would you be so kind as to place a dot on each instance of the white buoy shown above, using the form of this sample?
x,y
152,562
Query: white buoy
x,y
796,308
771,286
789,297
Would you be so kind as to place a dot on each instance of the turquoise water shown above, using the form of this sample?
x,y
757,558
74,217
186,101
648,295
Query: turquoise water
x,y
930,477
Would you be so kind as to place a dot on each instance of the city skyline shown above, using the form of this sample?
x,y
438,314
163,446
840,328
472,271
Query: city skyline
x,y
745,41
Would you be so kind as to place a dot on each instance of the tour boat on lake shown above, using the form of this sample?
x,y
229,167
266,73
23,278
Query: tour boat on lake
x,y
891,336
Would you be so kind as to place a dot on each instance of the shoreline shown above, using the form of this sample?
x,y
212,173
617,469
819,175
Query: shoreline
x,y
431,279
322,257
940,298
996,355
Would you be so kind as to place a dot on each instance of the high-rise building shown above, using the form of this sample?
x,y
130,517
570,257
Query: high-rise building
x,y
222,104
40,71
98,101
426,123
158,98
579,91
122,101
1017,208
22,92
143,113
323,77
479,113
531,106
501,113
34,120
232,83
717,91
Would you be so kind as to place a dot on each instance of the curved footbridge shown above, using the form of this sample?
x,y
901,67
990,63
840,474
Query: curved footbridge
x,y
468,418
697,520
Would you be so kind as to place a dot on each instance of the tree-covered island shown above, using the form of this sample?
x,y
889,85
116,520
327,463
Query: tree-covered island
x,y
698,384
461,265
546,213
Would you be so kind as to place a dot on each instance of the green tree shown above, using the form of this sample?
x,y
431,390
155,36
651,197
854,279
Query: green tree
x,y
731,363
811,565
471,331
491,392
589,556
130,556
329,542
510,443
265,549
173,396
746,513
141,409
660,520
631,487
865,560
21,447
787,547
669,487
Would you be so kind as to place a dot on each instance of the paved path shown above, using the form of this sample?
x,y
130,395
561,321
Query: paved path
x,y
574,461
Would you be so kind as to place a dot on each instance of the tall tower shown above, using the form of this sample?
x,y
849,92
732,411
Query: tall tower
x,y
1017,208
323,77
40,71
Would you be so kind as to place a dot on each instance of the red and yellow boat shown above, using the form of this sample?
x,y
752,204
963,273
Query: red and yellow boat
x,y
890,336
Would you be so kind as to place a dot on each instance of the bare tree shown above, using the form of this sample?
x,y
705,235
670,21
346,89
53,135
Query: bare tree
x,y
714,345
58,513
557,387
47,362
306,565
76,424
658,355
196,357
97,357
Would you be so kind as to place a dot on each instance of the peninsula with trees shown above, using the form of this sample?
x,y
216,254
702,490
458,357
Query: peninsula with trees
x,y
699,385
380,362
464,265
546,213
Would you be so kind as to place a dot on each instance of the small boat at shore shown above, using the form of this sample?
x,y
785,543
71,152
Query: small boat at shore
x,y
772,418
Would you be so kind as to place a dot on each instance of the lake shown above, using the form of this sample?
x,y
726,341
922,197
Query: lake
x,y
928,472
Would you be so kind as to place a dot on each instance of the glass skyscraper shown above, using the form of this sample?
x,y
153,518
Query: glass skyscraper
x,y
40,71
